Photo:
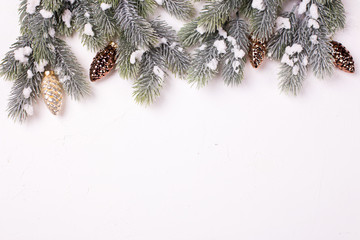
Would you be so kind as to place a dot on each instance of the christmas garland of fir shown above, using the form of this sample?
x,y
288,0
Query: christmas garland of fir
x,y
225,33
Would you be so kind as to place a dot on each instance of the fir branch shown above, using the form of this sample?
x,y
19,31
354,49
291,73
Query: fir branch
x,y
37,28
239,30
204,64
246,8
105,21
216,13
61,27
10,68
112,2
321,59
22,11
145,7
85,20
283,37
42,50
124,66
181,9
70,71
295,61
233,69
152,72
332,14
52,5
136,28
263,21
20,106
289,82
163,30
190,36
176,59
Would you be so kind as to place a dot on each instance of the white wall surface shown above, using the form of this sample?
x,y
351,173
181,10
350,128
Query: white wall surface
x,y
218,163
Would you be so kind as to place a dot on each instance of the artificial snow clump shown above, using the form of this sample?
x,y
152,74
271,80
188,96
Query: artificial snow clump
x,y
173,45
66,17
29,74
105,6
282,22
232,40
314,14
46,14
220,46
202,47
158,72
289,51
159,2
295,48
212,64
26,92
163,40
295,70
314,39
51,47
258,4
235,66
286,59
137,55
58,70
22,54
302,6
64,79
52,32
313,23
305,61
29,109
201,30
238,53
40,66
31,6
222,32
88,30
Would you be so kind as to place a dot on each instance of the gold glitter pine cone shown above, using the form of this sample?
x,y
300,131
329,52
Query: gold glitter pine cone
x,y
103,62
52,92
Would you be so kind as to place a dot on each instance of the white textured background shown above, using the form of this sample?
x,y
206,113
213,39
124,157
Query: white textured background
x,y
218,163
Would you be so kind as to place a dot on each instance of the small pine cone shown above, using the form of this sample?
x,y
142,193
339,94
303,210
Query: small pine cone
x,y
52,92
257,52
103,62
342,58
